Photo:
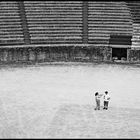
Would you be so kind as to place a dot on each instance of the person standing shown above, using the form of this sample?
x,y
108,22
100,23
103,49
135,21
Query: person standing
x,y
97,99
106,98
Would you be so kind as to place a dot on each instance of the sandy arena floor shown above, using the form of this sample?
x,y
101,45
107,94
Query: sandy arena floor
x,y
57,101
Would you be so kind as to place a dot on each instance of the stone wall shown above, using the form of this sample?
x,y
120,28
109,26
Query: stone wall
x,y
54,54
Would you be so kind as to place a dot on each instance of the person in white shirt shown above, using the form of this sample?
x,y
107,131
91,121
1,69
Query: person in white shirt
x,y
106,98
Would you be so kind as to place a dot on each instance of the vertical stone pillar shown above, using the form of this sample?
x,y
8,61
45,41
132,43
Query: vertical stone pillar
x,y
24,23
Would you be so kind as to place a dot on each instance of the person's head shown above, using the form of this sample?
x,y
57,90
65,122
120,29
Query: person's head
x,y
106,92
96,93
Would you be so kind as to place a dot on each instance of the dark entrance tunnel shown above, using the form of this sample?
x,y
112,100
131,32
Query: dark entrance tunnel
x,y
121,43
119,53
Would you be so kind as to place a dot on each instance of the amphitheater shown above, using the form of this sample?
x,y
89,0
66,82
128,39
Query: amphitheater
x,y
54,56
46,31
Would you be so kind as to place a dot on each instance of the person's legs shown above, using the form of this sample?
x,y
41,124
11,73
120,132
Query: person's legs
x,y
98,104
107,105
104,104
